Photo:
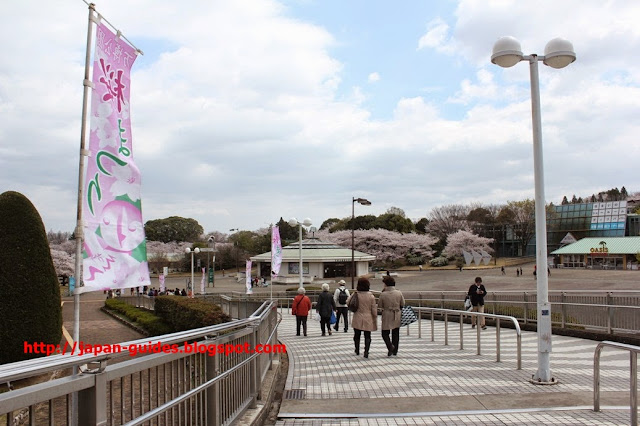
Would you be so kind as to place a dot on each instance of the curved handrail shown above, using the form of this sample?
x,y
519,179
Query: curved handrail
x,y
633,381
486,315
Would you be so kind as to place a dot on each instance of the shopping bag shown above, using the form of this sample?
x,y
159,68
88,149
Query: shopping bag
x,y
333,318
467,303
316,316
408,316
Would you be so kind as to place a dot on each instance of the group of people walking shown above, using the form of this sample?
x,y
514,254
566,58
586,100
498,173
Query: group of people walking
x,y
365,317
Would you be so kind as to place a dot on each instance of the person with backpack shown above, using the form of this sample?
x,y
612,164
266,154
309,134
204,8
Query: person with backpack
x,y
340,297
300,308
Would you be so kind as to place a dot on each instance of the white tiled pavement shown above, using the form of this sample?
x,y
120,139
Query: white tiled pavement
x,y
327,368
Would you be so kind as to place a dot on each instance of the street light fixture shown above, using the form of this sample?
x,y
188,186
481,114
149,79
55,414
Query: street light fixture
x,y
364,202
294,222
558,53
188,250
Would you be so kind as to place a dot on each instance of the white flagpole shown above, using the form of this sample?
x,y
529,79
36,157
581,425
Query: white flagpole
x,y
79,231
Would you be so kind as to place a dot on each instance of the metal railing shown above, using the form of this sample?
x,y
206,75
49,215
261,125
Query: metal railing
x,y
284,304
608,312
445,313
633,380
182,387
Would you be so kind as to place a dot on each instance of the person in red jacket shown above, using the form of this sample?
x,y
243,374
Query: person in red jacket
x,y
300,308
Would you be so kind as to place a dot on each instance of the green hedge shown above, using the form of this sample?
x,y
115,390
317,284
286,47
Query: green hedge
x,y
151,323
183,313
29,290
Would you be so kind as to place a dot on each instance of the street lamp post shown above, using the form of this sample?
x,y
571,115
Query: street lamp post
x,y
558,53
235,244
188,250
364,202
211,244
293,222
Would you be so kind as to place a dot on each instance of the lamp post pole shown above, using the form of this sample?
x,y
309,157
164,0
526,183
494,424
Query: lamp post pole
x,y
558,54
364,202
235,245
300,254
293,222
188,250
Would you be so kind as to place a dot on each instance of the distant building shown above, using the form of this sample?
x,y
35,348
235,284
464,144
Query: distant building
x,y
600,253
319,260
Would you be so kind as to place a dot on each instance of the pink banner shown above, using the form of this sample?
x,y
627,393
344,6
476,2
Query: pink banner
x,y
276,251
248,277
161,279
115,252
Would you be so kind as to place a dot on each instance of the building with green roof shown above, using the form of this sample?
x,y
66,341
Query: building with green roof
x,y
600,253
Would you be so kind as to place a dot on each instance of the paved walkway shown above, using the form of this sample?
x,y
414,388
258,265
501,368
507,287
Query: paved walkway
x,y
430,383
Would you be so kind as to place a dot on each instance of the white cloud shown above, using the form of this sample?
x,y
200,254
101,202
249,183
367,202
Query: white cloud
x,y
239,114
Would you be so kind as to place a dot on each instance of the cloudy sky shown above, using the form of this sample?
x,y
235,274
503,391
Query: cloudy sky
x,y
245,111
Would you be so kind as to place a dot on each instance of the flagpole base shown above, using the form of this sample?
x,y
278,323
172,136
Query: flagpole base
x,y
539,381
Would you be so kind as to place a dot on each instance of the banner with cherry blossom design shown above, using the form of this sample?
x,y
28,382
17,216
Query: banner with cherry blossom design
x,y
276,251
115,251
248,278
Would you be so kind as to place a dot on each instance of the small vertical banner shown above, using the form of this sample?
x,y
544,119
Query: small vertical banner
x,y
202,282
115,248
161,279
276,251
248,277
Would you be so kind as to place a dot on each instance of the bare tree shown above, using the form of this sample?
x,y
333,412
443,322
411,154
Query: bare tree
x,y
448,219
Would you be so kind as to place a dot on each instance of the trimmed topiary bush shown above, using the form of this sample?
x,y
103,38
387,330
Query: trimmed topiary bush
x,y
183,313
30,308
439,261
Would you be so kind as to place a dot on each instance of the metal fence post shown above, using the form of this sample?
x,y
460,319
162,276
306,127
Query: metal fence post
x,y
610,313
526,311
254,372
92,402
212,408
420,316
564,309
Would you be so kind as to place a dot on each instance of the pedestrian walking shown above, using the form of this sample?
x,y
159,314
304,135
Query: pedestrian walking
x,y
365,319
503,271
517,272
477,293
300,308
340,298
325,307
391,301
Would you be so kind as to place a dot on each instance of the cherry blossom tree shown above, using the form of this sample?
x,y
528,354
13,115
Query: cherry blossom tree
x,y
386,246
465,240
63,262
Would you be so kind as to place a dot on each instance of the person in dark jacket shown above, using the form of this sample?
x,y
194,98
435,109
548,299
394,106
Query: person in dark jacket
x,y
477,293
325,307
